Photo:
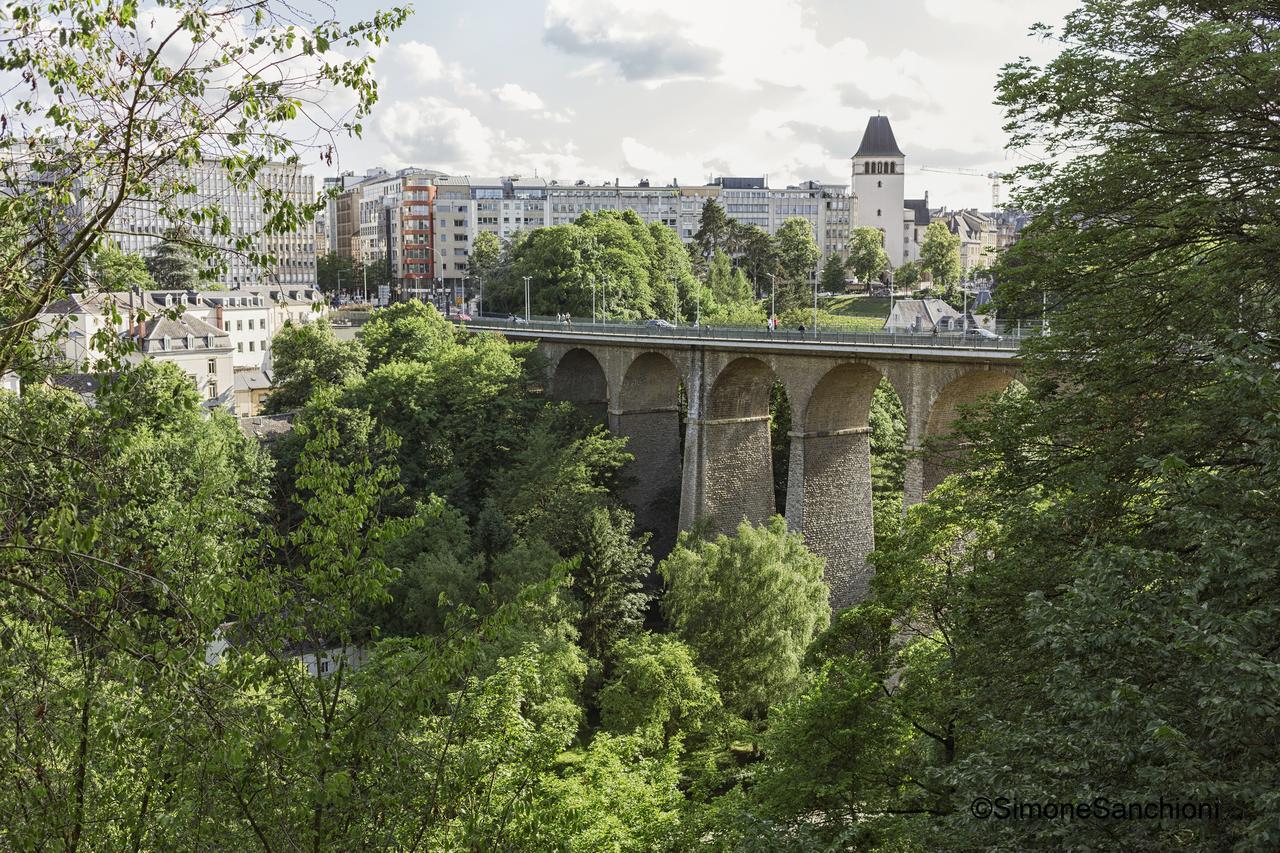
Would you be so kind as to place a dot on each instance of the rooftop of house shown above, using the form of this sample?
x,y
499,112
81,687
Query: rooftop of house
x,y
920,208
251,379
266,427
182,334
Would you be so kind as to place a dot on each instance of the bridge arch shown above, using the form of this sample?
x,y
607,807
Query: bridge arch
x,y
648,414
736,443
943,451
578,378
829,489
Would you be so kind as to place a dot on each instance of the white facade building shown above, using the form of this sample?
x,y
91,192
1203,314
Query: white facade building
x,y
139,225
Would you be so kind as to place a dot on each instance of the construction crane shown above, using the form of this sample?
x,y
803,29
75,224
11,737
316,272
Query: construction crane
x,y
994,177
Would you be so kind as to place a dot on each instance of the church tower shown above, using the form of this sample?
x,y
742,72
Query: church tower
x,y
879,188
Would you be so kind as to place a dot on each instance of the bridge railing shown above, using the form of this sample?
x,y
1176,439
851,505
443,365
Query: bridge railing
x,y
1011,340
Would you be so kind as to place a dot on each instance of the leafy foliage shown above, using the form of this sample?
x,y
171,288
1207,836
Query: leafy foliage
x,y
118,102
748,605
940,253
867,257
308,357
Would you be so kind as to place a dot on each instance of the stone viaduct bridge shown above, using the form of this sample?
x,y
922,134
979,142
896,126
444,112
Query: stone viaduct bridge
x,y
631,377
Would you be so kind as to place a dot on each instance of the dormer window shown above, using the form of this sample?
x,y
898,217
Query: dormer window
x,y
191,341
164,343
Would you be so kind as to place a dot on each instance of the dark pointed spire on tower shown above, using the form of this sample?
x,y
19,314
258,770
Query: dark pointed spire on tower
x,y
878,139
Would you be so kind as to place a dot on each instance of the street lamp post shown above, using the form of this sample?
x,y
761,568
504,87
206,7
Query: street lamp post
x,y
593,300
815,307
526,298
890,297
365,270
773,295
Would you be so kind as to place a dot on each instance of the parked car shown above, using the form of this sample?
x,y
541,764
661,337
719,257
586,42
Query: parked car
x,y
657,323
981,333
461,316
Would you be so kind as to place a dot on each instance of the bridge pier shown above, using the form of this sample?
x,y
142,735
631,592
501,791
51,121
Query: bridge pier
x,y
829,501
653,490
728,470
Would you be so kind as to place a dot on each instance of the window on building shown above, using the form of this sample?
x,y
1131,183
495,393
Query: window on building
x,y
877,211
879,183
251,324
264,343
250,346
240,346
239,325
212,365
213,389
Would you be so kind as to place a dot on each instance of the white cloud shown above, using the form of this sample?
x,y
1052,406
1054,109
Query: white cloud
x,y
517,97
409,62
433,131
1001,14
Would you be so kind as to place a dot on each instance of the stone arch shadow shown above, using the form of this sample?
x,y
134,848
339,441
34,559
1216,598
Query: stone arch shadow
x,y
579,378
944,452
648,414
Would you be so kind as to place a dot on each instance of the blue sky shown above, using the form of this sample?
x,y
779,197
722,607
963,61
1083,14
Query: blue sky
x,y
629,89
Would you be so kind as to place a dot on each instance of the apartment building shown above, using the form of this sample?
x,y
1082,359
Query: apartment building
x,y
428,220
979,237
139,225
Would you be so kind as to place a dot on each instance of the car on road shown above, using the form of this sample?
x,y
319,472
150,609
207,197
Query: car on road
x,y
519,321
981,334
657,323
461,316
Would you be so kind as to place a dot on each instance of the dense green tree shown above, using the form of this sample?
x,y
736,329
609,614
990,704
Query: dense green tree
x,y
758,255
336,272
171,263
713,234
619,796
1148,573
657,686
718,275
306,357
406,331
672,275
748,605
461,413
907,276
126,530
940,253
867,257
610,579
610,259
486,252
798,255
114,271
739,291
888,425
833,273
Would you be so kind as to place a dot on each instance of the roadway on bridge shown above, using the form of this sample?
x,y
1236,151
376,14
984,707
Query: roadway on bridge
x,y
760,340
